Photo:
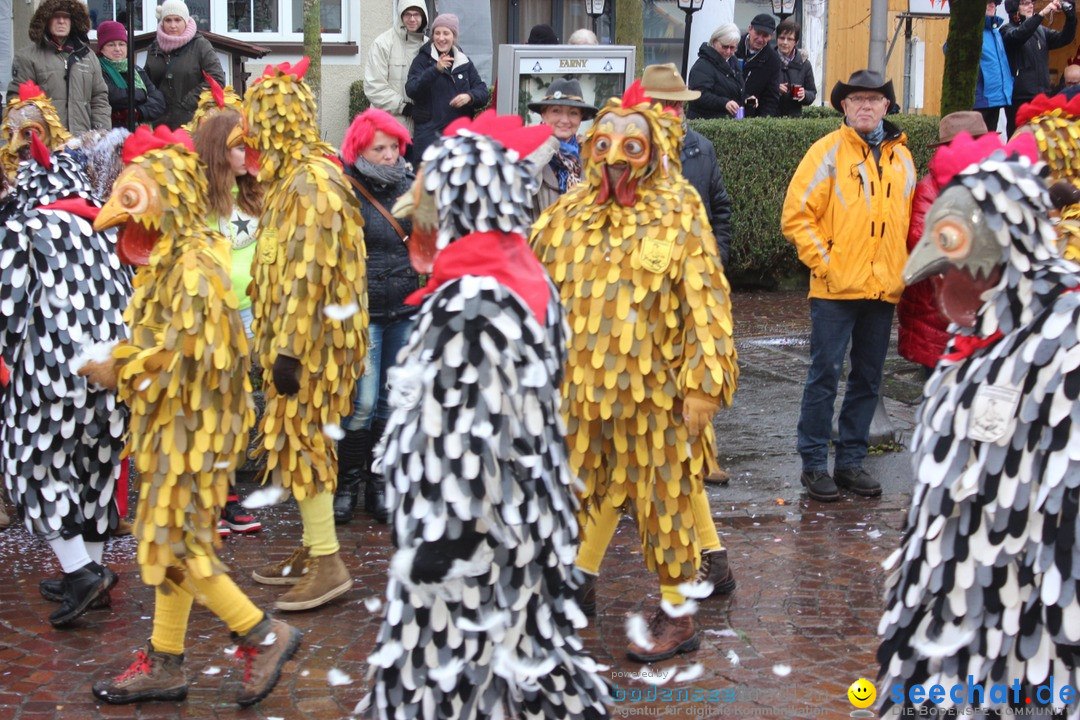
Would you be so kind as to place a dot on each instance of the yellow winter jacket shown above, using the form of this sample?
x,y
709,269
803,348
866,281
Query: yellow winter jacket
x,y
848,219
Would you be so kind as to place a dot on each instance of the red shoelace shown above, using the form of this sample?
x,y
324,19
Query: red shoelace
x,y
248,653
141,666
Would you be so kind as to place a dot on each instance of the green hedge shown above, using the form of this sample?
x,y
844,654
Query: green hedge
x,y
358,101
758,158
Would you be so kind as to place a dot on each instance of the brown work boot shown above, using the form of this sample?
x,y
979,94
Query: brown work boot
x,y
585,595
716,569
670,636
153,676
326,578
286,572
5,521
265,650
719,476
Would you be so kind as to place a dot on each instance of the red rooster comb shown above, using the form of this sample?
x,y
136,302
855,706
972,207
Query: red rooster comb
x,y
506,130
39,150
1043,105
29,90
296,70
216,90
635,95
965,151
143,141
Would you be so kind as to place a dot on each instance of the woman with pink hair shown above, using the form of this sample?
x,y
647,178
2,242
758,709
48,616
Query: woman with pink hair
x,y
373,156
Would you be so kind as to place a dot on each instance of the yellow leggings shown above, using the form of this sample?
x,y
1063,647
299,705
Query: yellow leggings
x,y
599,528
218,593
317,514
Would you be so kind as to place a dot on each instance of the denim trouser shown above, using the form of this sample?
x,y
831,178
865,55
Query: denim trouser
x,y
834,324
385,341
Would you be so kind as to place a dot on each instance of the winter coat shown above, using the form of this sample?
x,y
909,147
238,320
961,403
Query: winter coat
x,y
798,72
701,170
179,76
761,78
1028,45
388,63
719,82
847,215
390,275
923,331
149,103
994,87
72,80
432,90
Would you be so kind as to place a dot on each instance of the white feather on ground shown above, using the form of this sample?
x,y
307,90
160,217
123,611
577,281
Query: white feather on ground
x,y
336,677
341,312
373,603
211,670
687,608
692,672
781,670
733,657
696,590
263,497
653,678
726,632
637,631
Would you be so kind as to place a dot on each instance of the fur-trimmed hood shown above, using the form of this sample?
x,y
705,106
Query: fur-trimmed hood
x,y
80,18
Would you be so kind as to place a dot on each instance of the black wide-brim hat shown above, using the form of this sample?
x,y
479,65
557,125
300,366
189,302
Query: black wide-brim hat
x,y
568,93
862,80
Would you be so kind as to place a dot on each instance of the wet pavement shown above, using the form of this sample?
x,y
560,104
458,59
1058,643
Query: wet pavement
x,y
798,630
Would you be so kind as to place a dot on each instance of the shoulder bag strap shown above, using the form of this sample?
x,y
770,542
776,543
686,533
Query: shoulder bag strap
x,y
378,206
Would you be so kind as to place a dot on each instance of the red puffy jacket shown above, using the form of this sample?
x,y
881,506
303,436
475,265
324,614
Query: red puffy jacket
x,y
923,330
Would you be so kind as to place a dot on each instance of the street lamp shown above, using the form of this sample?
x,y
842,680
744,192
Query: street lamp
x,y
783,8
689,7
595,8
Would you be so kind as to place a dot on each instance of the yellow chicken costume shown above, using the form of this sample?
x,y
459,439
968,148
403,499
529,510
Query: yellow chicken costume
x,y
213,99
651,356
32,113
183,375
309,301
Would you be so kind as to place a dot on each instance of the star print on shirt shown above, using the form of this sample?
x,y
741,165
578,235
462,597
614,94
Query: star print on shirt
x,y
242,225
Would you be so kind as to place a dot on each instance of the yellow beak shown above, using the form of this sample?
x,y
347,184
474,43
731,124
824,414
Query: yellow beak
x,y
111,215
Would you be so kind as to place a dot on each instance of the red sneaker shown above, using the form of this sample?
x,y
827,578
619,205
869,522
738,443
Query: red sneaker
x,y
238,519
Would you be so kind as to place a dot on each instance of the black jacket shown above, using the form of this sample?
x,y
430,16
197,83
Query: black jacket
x,y
798,72
719,82
432,90
761,78
390,275
701,170
179,77
149,103
1028,45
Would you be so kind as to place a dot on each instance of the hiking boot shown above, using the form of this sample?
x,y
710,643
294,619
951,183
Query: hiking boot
x,y
858,481
715,569
585,594
345,498
719,476
670,636
265,650
153,676
326,578
52,589
80,589
820,486
237,518
285,572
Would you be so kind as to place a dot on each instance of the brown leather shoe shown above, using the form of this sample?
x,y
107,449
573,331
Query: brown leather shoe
x,y
585,594
719,476
286,572
153,676
716,569
670,637
265,650
326,578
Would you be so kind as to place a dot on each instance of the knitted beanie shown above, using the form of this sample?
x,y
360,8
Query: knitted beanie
x,y
109,31
173,7
446,20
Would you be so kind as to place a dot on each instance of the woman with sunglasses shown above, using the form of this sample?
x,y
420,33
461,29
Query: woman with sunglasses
x,y
718,76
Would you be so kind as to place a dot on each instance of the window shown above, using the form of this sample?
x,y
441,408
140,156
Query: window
x,y
200,11
253,16
102,10
331,16
256,21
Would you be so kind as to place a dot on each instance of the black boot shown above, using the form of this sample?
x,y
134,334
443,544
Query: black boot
x,y
375,483
81,589
52,589
352,449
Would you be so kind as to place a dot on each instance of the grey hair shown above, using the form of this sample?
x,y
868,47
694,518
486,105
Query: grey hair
x,y
583,36
727,34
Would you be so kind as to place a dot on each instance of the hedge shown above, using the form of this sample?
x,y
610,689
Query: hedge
x,y
758,158
358,101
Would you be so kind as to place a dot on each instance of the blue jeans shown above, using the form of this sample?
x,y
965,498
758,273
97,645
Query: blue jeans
x,y
385,341
834,324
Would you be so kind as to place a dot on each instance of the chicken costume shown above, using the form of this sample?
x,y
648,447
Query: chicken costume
x,y
213,99
184,377
480,616
62,289
983,588
32,113
309,302
651,353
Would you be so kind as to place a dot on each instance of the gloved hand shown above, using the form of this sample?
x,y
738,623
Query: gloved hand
x,y
101,373
286,373
698,410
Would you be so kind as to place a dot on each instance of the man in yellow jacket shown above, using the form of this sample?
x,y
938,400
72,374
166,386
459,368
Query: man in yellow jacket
x,y
847,211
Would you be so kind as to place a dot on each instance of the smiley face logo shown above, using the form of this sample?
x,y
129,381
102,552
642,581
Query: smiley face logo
x,y
862,693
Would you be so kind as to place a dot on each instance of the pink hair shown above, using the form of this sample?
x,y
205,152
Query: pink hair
x,y
361,133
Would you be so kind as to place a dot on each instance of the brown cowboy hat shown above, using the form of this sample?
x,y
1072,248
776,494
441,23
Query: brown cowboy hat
x,y
663,82
565,92
953,124
862,80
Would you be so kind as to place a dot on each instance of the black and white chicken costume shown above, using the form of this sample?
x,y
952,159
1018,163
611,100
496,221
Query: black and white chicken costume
x,y
983,590
62,290
480,620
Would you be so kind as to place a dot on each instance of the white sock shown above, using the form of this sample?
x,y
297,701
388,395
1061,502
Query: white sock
x,y
71,553
96,550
